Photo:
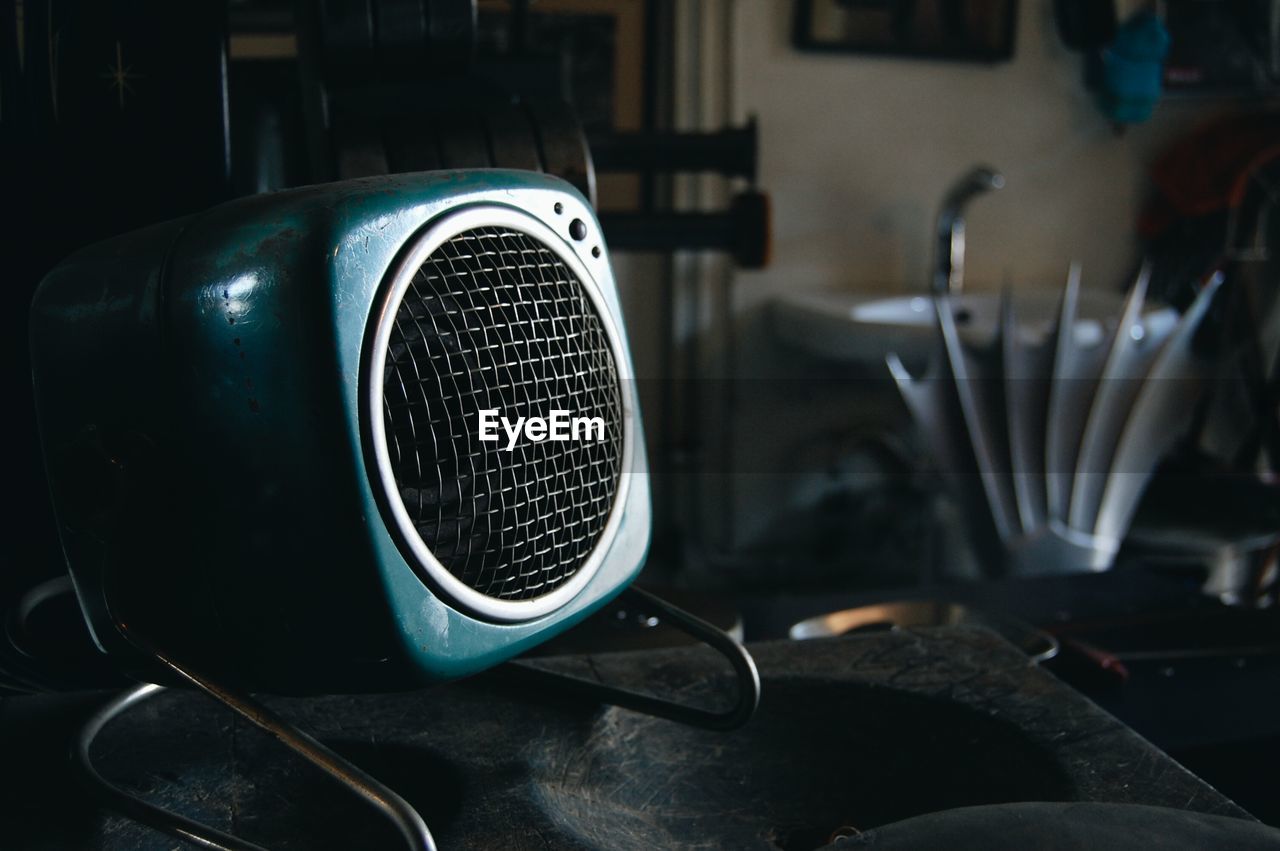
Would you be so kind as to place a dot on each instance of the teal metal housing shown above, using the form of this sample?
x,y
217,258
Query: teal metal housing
x,y
200,389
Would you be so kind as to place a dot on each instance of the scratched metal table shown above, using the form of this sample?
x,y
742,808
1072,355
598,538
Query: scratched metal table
x,y
852,733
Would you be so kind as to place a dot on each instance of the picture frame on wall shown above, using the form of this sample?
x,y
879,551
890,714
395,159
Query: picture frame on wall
x,y
961,30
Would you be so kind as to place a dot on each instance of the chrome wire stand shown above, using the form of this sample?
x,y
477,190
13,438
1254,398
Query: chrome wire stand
x,y
410,823
744,668
392,806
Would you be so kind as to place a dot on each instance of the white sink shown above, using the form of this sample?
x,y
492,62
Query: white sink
x,y
864,328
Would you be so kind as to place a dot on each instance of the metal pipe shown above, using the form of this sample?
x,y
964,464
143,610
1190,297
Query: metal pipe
x,y
948,270
731,152
743,230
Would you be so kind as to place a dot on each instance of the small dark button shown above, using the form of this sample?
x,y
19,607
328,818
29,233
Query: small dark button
x,y
578,229
559,208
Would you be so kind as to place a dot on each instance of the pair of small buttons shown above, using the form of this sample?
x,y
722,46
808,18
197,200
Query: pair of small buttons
x,y
577,229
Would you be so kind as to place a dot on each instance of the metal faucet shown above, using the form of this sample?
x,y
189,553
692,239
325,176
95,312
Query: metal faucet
x,y
948,270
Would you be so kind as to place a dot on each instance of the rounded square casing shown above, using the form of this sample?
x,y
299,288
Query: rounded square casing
x,y
206,399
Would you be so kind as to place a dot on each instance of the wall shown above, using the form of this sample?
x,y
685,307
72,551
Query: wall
x,y
857,151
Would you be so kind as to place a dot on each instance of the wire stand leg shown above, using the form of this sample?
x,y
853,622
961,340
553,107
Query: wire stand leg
x,y
392,806
743,665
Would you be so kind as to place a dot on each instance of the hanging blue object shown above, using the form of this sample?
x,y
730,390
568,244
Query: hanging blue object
x,y
1133,68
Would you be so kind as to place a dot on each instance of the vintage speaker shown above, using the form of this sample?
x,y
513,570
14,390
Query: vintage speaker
x,y
262,427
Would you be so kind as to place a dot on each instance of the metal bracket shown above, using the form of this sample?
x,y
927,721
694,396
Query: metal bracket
x,y
396,809
743,665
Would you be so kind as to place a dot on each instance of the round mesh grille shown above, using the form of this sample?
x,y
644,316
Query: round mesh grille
x,y
494,319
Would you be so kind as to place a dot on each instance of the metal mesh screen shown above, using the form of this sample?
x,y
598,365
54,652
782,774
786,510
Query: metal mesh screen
x,y
495,320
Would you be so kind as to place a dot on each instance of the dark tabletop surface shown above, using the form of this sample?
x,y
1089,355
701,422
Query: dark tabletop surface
x,y
852,733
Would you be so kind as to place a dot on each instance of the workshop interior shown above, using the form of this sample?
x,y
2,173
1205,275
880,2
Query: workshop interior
x,y
632,424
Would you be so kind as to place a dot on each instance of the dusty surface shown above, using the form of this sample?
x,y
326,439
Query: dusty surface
x,y
852,732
